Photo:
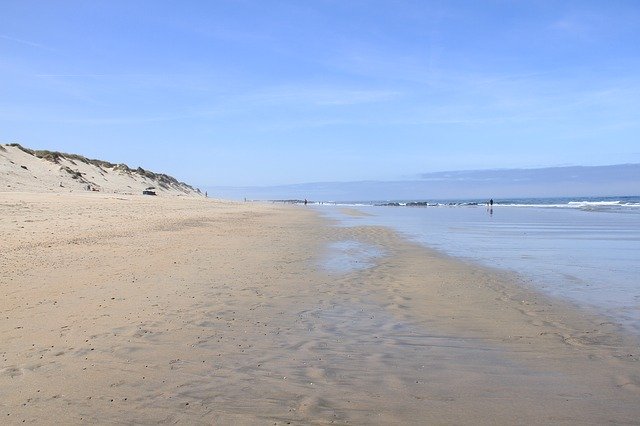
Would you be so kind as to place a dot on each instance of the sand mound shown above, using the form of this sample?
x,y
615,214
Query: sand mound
x,y
23,169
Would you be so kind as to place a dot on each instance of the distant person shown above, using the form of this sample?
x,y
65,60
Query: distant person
x,y
491,202
305,201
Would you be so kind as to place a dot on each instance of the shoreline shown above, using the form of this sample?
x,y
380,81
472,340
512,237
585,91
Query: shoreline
x,y
588,259
126,309
517,281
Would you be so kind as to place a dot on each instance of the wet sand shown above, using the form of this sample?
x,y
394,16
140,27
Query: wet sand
x,y
145,310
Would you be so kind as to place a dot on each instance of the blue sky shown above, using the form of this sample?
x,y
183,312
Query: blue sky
x,y
281,92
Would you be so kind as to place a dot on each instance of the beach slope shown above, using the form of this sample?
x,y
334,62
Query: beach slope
x,y
132,309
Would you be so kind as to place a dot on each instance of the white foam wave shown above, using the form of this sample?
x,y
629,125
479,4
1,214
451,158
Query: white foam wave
x,y
583,205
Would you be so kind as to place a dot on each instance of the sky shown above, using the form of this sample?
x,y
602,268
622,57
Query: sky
x,y
254,93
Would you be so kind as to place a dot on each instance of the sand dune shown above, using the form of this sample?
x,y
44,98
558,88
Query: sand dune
x,y
22,169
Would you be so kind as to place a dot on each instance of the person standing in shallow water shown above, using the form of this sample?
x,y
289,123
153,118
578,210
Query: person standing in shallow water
x,y
305,201
490,206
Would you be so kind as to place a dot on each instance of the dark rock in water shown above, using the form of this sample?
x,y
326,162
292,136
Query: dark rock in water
x,y
290,201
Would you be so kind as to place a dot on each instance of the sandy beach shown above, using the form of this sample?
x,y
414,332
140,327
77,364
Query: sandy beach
x,y
132,309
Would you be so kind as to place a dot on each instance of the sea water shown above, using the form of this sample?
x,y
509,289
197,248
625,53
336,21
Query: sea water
x,y
347,256
584,251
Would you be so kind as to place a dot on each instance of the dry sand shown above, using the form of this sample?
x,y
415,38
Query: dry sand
x,y
143,310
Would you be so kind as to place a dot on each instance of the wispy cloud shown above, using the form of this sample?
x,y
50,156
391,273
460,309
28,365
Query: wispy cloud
x,y
92,75
571,26
320,96
98,121
227,34
25,42
180,82
589,25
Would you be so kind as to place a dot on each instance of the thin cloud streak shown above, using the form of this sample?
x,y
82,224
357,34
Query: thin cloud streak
x,y
95,75
26,42
320,96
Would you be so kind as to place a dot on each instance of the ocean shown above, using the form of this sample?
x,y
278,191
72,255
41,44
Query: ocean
x,y
583,250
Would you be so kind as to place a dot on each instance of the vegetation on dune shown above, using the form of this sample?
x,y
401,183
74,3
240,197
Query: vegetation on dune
x,y
163,180
74,173
52,156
